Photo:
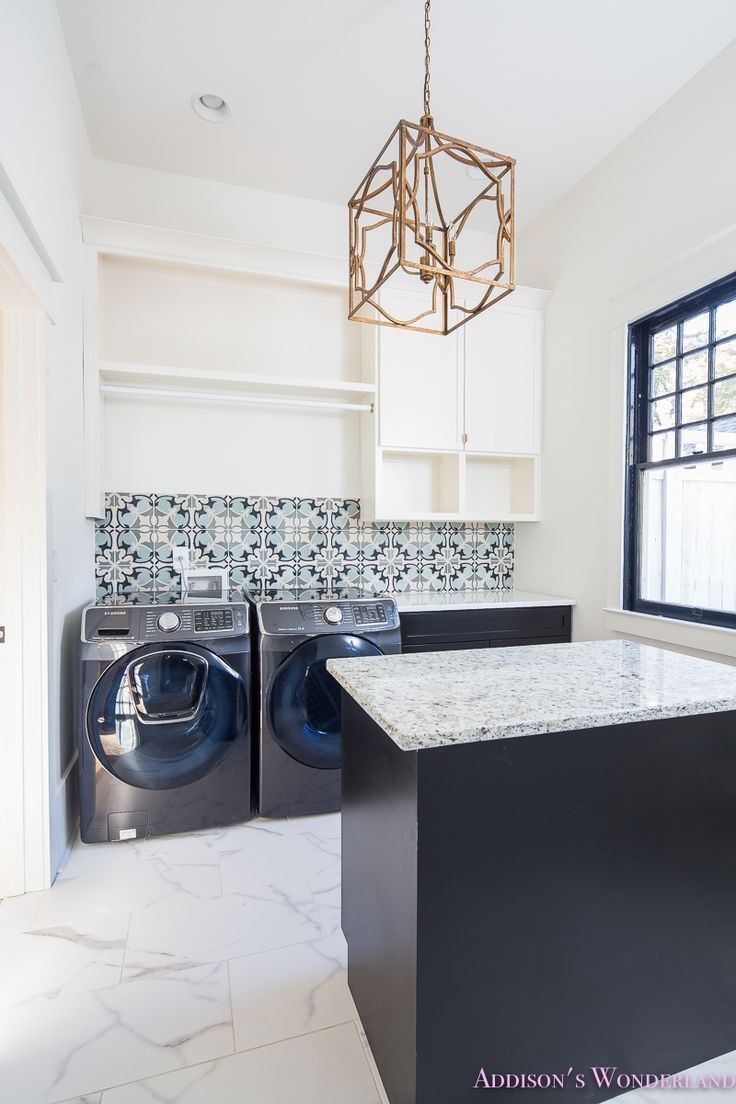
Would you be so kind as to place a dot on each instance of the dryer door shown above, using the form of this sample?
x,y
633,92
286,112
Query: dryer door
x,y
303,702
164,715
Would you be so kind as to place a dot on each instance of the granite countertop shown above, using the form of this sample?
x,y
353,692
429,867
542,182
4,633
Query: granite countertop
x,y
426,601
434,699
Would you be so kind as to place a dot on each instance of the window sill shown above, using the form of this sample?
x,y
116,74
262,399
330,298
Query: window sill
x,y
715,639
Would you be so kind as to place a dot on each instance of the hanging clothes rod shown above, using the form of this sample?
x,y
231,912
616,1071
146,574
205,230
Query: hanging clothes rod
x,y
232,397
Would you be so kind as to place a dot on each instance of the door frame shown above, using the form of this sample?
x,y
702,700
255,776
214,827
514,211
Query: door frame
x,y
24,778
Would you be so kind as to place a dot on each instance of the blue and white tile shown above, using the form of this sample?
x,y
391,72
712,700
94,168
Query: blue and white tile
x,y
291,991
341,512
244,513
172,512
323,1067
315,513
348,542
133,510
45,963
80,1044
167,937
211,513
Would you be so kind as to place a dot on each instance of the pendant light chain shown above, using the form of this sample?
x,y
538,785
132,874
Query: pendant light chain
x,y
427,110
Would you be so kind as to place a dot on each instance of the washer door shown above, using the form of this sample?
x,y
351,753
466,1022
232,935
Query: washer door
x,y
165,715
303,703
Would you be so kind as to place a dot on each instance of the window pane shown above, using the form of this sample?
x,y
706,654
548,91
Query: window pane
x,y
694,405
694,438
662,413
662,446
664,344
726,358
724,397
724,434
695,331
662,380
688,535
726,319
695,369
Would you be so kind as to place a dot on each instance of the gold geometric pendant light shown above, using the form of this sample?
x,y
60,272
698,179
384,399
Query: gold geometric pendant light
x,y
414,226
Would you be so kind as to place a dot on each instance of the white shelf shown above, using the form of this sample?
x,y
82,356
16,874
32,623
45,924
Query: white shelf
x,y
123,379
419,485
439,485
502,486
158,375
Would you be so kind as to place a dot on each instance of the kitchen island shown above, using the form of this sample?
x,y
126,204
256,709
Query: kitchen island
x,y
539,866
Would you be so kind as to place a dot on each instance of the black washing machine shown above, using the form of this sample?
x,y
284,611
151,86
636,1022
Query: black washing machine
x,y
164,717
300,744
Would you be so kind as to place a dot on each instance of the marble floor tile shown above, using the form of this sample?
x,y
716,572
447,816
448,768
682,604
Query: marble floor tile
x,y
277,858
697,1089
260,917
78,1045
93,1098
291,991
326,889
126,887
50,962
18,913
325,1067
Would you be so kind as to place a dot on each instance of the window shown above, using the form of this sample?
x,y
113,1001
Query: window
x,y
681,490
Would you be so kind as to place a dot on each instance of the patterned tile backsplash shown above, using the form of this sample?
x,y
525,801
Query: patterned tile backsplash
x,y
293,542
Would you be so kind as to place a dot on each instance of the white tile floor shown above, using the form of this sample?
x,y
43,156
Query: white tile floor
x,y
198,968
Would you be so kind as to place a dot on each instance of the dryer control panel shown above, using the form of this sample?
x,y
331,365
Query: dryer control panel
x,y
313,618
139,624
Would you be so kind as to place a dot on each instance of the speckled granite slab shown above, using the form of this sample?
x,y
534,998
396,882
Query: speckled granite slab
x,y
433,699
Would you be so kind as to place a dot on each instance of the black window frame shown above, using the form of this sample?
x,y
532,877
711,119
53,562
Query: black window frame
x,y
637,456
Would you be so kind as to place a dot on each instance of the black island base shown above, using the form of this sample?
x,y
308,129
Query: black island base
x,y
546,907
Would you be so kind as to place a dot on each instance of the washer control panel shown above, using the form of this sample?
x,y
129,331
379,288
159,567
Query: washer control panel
x,y
313,617
140,624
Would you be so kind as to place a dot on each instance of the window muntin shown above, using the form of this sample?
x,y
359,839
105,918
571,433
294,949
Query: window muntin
x,y
681,498
691,379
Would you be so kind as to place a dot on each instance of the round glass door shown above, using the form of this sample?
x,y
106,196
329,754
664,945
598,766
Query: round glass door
x,y
303,705
161,717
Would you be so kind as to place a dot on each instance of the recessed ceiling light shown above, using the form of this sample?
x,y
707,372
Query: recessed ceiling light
x,y
211,108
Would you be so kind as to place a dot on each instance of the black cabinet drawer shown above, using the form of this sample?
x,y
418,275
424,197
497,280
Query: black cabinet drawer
x,y
483,628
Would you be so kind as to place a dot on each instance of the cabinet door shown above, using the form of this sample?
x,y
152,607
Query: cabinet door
x,y
502,377
420,404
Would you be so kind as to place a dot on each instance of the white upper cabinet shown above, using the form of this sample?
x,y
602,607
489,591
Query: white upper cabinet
x,y
457,432
502,374
420,385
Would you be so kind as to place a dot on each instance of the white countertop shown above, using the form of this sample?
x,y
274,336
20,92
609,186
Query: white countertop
x,y
434,699
424,601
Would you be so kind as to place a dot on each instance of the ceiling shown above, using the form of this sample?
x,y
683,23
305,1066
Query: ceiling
x,y
315,88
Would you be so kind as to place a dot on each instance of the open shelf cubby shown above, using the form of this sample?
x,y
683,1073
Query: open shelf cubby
x,y
418,485
500,487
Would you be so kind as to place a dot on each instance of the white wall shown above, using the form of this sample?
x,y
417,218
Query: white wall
x,y
44,150
646,226
151,198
